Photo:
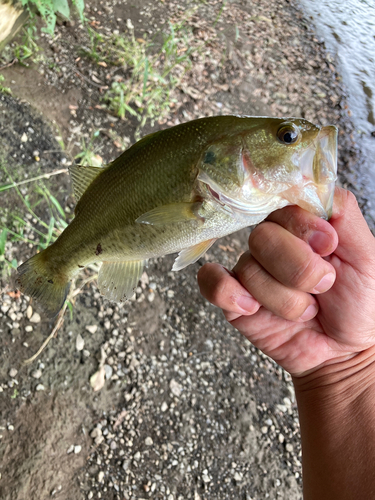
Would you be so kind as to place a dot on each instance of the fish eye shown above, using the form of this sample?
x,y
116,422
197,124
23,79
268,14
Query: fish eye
x,y
288,134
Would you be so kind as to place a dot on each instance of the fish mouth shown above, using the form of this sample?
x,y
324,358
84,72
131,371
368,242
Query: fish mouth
x,y
318,166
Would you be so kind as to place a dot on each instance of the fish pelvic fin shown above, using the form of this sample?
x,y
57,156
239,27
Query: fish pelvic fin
x,y
117,279
36,279
192,254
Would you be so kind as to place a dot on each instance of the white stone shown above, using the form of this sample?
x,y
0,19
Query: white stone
x,y
35,318
175,388
29,312
80,343
36,373
91,328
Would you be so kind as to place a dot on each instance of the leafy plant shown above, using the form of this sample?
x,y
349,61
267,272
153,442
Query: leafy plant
x,y
50,9
28,46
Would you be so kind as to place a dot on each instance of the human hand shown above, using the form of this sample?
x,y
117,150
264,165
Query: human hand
x,y
305,292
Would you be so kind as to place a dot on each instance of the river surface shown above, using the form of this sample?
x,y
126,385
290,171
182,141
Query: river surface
x,y
348,29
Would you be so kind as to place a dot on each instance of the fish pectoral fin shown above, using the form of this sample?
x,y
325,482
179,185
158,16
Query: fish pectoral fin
x,y
170,214
192,254
82,176
117,279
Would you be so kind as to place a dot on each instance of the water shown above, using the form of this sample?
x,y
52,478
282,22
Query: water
x,y
348,29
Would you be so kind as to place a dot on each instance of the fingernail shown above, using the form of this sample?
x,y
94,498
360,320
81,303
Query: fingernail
x,y
319,241
310,313
246,303
325,283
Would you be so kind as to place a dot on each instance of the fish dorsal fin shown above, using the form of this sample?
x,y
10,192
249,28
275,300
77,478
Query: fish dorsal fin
x,y
192,254
117,279
82,176
170,214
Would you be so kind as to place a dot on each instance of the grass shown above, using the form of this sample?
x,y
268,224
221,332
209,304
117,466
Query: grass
x,y
25,225
4,90
89,152
145,87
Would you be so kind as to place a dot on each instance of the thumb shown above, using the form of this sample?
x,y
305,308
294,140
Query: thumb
x,y
356,243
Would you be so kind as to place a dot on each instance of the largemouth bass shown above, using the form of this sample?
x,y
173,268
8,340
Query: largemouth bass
x,y
178,190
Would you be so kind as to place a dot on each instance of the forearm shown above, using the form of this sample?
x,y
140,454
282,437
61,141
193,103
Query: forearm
x,y
337,416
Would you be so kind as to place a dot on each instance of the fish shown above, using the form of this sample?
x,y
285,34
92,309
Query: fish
x,y
179,190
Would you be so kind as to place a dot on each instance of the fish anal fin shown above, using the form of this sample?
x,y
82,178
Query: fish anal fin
x,y
192,254
171,214
82,176
117,279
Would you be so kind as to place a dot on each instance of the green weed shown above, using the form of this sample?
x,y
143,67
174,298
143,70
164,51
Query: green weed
x,y
28,46
88,155
149,77
49,10
25,225
4,90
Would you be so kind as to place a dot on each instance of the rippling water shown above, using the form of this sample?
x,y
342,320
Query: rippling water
x,y
348,29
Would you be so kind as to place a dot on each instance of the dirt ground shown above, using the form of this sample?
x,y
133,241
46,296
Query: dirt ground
x,y
189,409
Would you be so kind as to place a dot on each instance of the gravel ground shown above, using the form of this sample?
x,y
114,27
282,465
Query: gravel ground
x,y
184,408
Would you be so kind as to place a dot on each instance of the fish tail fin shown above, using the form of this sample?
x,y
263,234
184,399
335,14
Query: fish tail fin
x,y
37,278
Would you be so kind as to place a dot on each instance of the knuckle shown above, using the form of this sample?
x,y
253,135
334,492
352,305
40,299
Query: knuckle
x,y
303,275
260,235
217,292
292,308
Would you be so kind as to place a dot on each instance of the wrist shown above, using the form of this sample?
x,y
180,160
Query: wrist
x,y
340,382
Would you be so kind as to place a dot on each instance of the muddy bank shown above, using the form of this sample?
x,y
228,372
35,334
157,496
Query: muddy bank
x,y
189,409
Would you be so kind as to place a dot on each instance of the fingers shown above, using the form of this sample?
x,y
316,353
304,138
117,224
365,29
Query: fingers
x,y
223,290
289,259
318,233
289,303
357,244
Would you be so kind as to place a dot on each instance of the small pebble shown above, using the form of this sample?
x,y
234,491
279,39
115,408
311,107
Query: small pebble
x,y
13,372
77,449
36,373
28,328
35,318
80,343
148,441
91,328
289,447
164,406
175,388
29,312
108,371
238,476
40,387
